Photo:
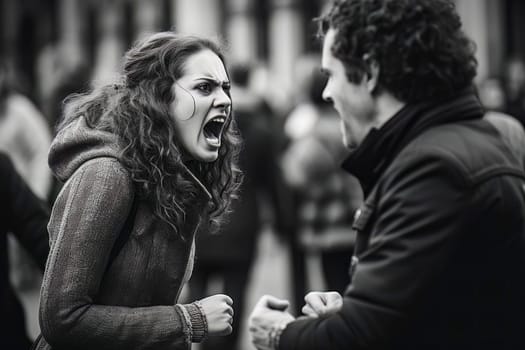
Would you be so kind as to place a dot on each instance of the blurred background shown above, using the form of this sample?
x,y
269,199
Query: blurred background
x,y
45,39
51,48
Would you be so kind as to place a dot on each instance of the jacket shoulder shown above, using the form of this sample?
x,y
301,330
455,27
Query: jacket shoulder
x,y
472,149
103,166
102,174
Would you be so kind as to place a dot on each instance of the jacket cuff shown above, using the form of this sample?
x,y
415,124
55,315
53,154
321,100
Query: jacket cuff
x,y
275,334
196,318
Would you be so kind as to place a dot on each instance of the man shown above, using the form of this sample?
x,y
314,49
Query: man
x,y
439,261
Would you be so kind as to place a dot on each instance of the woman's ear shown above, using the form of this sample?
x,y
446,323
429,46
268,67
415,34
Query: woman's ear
x,y
184,103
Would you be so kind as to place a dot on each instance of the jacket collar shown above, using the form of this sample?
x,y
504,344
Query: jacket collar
x,y
197,181
382,145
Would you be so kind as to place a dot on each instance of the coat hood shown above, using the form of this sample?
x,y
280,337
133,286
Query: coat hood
x,y
78,143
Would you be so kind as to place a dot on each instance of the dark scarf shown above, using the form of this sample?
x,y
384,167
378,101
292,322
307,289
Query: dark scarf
x,y
381,146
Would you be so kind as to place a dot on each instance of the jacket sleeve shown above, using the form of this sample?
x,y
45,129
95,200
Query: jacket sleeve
x,y
419,221
26,215
86,219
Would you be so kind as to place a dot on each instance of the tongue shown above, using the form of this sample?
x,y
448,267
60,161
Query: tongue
x,y
213,140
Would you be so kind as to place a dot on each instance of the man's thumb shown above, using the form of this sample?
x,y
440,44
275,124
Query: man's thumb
x,y
277,304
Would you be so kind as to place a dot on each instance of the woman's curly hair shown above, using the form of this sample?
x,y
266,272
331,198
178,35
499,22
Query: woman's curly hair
x,y
419,46
137,110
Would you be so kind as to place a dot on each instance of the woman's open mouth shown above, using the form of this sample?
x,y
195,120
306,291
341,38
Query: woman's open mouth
x,y
213,130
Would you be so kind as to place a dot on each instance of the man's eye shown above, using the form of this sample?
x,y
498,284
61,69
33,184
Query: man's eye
x,y
204,87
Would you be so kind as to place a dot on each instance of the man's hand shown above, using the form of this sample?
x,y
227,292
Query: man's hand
x,y
322,303
268,316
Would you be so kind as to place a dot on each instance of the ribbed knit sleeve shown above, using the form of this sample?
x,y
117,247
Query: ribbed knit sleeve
x,y
195,317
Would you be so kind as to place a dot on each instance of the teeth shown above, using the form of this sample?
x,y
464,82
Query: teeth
x,y
212,133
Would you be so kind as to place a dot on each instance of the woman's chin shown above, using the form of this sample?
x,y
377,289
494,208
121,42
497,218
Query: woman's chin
x,y
207,156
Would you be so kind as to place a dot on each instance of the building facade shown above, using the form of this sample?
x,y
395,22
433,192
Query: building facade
x,y
277,32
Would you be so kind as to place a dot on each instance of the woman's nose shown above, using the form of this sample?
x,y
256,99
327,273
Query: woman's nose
x,y
222,100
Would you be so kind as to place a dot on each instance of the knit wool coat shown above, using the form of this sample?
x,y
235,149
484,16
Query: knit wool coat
x,y
132,304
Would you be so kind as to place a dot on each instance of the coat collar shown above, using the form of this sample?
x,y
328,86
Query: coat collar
x,y
382,145
197,181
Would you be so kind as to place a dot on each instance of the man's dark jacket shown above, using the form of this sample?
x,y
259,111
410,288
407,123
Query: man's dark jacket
x,y
440,256
25,216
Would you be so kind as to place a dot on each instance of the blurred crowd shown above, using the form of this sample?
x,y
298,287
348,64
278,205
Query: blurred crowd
x,y
291,158
506,93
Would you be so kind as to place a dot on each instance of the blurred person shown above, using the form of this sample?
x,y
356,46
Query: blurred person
x,y
24,217
492,97
25,137
275,103
74,80
274,111
327,197
24,134
60,72
305,113
514,88
492,94
511,131
228,255
297,123
440,249
148,164
267,84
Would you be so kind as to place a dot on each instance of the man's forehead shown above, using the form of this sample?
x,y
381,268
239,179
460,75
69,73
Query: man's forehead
x,y
327,56
329,39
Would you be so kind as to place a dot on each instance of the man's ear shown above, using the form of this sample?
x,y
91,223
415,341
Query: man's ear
x,y
372,78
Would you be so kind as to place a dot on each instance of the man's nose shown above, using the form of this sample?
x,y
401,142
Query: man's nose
x,y
327,96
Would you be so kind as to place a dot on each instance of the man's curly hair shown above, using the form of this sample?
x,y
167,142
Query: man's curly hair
x,y
419,46
137,110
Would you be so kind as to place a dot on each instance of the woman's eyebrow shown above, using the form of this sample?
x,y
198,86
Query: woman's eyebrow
x,y
214,81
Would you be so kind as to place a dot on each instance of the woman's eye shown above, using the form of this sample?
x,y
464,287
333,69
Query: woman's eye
x,y
204,87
